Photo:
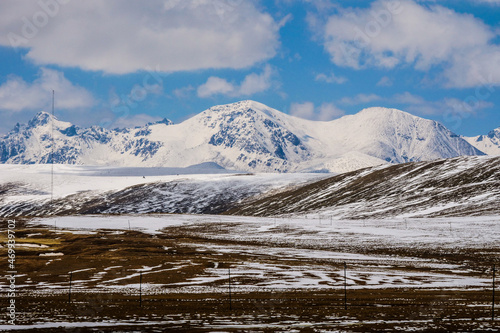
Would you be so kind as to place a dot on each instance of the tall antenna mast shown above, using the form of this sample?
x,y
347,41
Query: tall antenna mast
x,y
52,155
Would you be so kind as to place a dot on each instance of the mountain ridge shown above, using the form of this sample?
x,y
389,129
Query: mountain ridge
x,y
489,144
247,136
461,186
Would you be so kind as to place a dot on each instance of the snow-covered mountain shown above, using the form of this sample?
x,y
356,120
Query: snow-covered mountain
x,y
488,144
247,136
32,143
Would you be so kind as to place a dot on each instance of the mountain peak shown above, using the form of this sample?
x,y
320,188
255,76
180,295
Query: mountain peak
x,y
391,118
489,143
494,133
259,108
377,110
240,106
253,104
40,119
241,111
163,121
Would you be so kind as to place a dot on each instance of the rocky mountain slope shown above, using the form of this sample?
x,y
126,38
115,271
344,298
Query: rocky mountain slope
x,y
30,190
246,136
463,186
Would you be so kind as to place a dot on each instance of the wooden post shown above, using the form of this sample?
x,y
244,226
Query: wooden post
x,y
230,301
70,281
345,287
140,289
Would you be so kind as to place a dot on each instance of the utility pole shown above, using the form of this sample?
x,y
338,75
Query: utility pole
x,y
493,293
230,305
140,289
70,281
345,286
52,155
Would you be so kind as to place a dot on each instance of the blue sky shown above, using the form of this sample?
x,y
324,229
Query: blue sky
x,y
119,63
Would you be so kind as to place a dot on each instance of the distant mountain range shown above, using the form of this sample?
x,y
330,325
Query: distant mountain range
x,y
488,144
247,136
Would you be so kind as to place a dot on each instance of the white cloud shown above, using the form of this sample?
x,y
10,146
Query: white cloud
x,y
328,111
448,106
133,121
302,110
307,110
408,98
332,78
385,81
18,95
285,20
418,105
391,33
124,36
253,83
183,92
360,99
215,86
474,68
491,2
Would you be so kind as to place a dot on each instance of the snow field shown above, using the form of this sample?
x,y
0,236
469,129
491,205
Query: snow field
x,y
303,253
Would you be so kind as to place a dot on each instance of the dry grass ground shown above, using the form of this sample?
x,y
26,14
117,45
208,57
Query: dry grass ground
x,y
105,278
